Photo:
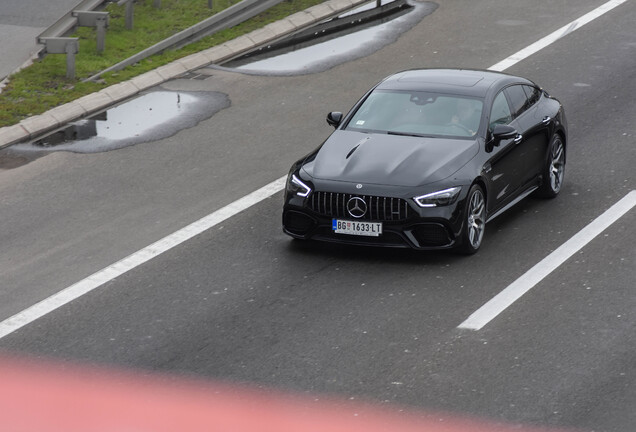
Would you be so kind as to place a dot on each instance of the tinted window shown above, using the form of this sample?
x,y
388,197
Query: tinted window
x,y
518,99
533,93
500,113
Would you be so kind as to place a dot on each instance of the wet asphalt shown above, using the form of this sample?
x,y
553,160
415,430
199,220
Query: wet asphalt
x,y
243,303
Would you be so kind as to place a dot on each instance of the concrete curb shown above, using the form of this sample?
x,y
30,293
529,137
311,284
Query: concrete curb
x,y
35,126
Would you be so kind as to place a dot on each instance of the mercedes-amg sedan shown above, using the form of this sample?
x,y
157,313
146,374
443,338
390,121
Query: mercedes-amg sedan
x,y
426,158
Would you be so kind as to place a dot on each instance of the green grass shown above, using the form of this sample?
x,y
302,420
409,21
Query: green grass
x,y
44,85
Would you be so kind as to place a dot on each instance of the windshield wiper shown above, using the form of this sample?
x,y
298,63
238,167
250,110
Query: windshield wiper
x,y
411,134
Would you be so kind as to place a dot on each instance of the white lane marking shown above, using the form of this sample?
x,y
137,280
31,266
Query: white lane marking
x,y
69,294
109,273
555,36
536,274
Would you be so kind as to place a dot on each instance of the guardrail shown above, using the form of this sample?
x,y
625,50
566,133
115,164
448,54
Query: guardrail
x,y
227,18
68,22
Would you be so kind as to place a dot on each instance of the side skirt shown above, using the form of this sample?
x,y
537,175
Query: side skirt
x,y
512,203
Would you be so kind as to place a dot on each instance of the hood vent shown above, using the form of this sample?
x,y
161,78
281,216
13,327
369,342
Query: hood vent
x,y
352,150
362,141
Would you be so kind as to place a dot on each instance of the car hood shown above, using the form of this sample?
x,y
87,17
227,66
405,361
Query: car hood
x,y
389,159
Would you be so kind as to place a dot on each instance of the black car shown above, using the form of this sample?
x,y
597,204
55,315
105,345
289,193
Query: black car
x,y
426,158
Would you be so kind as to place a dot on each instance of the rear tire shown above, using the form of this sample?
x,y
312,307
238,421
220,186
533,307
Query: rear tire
x,y
474,221
554,171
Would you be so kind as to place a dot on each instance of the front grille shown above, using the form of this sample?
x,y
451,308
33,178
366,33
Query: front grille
x,y
334,205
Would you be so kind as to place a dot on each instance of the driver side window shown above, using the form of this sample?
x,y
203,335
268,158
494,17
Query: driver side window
x,y
500,113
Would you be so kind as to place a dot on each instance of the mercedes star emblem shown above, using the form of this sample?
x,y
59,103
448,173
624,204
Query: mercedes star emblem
x,y
356,207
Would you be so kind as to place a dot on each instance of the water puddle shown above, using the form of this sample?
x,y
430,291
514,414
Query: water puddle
x,y
348,37
149,117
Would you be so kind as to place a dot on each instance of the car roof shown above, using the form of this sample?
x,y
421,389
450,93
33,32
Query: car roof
x,y
468,82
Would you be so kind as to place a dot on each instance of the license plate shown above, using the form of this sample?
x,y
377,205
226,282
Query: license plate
x,y
371,229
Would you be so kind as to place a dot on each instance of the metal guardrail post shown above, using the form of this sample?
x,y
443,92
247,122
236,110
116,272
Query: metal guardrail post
x,y
102,23
94,19
63,45
157,4
68,22
209,4
129,14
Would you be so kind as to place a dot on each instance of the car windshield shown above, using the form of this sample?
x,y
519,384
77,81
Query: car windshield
x,y
418,114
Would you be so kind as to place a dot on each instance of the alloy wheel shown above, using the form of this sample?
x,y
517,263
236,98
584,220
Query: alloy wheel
x,y
557,165
476,218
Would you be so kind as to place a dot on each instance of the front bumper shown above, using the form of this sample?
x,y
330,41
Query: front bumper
x,y
416,227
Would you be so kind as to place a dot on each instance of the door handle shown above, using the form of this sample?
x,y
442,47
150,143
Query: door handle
x,y
518,138
546,120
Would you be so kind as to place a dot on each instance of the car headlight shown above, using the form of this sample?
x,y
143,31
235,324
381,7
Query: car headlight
x,y
296,185
439,198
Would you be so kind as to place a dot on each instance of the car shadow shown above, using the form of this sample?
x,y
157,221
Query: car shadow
x,y
366,254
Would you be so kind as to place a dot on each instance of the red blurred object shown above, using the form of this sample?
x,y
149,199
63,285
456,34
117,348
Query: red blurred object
x,y
64,397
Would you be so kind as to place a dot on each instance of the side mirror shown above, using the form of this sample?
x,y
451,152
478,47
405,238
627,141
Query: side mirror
x,y
499,133
503,132
334,118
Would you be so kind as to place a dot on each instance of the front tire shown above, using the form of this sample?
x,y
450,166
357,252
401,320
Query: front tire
x,y
554,170
474,221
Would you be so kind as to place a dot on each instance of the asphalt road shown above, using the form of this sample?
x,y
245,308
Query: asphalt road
x,y
243,303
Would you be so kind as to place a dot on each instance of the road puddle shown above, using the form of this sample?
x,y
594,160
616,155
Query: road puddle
x,y
354,35
149,117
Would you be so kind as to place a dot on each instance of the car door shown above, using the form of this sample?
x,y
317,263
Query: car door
x,y
503,170
534,132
